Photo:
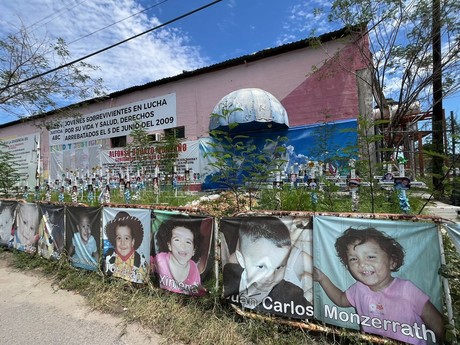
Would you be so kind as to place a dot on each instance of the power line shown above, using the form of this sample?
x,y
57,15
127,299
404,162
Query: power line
x,y
52,16
114,45
121,20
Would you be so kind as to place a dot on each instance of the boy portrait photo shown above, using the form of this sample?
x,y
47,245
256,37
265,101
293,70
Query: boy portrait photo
x,y
126,240
267,264
83,236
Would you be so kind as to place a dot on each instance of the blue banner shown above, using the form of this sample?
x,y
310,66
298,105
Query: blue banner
x,y
321,142
83,236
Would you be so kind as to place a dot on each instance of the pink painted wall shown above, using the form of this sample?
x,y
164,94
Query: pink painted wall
x,y
308,97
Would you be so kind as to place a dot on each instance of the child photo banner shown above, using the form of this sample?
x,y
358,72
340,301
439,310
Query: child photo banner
x,y
453,230
7,219
379,276
26,230
126,243
181,251
267,264
83,236
51,231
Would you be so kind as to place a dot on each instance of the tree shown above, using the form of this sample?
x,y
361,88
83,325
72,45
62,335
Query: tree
x,y
142,149
27,87
8,174
239,165
401,60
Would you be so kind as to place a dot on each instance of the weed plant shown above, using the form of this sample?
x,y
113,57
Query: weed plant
x,y
331,198
207,320
210,320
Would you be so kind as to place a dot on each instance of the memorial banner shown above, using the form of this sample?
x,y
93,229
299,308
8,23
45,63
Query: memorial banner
x,y
150,114
453,230
267,264
25,151
378,276
181,251
26,229
51,231
83,236
132,161
7,219
126,243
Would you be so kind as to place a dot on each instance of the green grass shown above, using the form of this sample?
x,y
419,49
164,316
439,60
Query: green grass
x,y
210,320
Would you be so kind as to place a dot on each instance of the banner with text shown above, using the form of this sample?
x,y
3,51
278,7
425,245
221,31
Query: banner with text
x,y
25,156
76,160
267,264
378,276
81,159
122,160
181,251
150,114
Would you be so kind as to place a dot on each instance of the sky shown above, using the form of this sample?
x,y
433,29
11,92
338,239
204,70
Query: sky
x,y
222,31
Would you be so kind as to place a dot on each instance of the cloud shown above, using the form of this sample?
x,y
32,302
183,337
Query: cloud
x,y
158,54
306,19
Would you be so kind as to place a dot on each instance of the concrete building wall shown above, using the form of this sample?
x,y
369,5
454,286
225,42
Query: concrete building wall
x,y
314,84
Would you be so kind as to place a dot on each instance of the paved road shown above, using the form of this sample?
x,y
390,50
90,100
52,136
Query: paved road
x,y
445,211
32,312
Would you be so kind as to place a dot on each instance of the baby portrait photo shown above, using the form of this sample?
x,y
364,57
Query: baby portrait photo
x,y
180,249
380,277
126,242
25,234
83,236
267,264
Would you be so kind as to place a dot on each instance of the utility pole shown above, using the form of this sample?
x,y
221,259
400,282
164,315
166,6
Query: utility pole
x,y
455,198
437,119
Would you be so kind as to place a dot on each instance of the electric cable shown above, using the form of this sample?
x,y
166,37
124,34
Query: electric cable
x,y
113,45
121,20
52,16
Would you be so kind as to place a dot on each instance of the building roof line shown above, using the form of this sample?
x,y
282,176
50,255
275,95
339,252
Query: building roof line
x,y
259,55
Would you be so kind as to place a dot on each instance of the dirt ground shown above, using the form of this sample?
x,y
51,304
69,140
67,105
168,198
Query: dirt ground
x,y
33,312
